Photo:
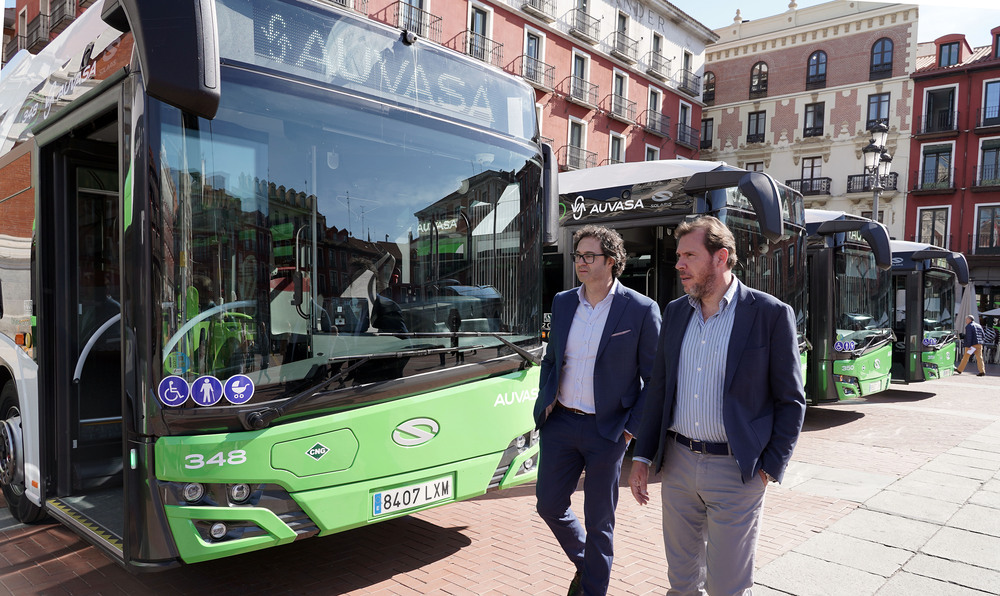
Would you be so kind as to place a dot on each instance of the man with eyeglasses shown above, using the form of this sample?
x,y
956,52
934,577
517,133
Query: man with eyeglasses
x,y
593,379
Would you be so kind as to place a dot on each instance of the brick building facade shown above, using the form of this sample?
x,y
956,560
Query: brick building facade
x,y
795,93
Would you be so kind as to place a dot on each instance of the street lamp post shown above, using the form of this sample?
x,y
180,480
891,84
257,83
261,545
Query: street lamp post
x,y
877,162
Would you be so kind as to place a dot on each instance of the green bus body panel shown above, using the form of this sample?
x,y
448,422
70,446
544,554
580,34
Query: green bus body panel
x,y
873,372
332,465
941,361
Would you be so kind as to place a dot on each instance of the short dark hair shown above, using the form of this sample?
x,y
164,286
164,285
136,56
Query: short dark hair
x,y
611,241
717,236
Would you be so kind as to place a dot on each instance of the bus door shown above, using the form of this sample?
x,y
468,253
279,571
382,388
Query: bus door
x,y
908,326
80,329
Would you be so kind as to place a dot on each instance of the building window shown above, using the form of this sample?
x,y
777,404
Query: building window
x,y
812,173
948,54
878,110
988,230
816,74
708,90
868,215
758,80
991,104
707,132
756,127
814,120
652,153
933,226
754,166
936,167
940,112
989,163
616,153
881,66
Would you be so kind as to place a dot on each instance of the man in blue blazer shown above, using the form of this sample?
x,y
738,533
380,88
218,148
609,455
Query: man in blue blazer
x,y
599,357
723,413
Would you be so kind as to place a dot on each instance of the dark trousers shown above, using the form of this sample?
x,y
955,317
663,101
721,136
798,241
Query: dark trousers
x,y
570,445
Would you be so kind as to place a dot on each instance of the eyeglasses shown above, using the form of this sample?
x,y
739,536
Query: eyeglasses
x,y
586,257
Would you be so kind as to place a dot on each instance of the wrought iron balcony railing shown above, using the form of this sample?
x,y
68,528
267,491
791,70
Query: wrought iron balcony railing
x,y
581,91
688,135
943,121
656,123
657,65
756,137
689,83
624,47
37,33
483,48
863,182
584,26
621,108
536,72
577,158
810,186
543,9
988,176
410,18
18,42
934,179
63,13
988,116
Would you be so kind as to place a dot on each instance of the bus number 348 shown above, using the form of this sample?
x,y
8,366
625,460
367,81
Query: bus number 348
x,y
233,458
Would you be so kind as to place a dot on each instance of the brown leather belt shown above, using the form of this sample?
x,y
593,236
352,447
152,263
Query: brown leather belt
x,y
573,410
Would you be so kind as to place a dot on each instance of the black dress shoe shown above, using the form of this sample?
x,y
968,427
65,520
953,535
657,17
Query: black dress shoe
x,y
576,586
981,375
958,372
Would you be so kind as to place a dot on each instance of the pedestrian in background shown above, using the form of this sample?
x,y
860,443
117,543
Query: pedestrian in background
x,y
723,413
973,345
594,376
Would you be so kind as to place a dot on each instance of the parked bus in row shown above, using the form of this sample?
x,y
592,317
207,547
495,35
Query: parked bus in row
x,y
925,303
850,317
271,271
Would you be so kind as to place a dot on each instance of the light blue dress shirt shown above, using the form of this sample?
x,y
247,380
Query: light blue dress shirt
x,y
576,385
702,371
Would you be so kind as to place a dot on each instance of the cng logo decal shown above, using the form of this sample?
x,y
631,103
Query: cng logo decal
x,y
317,451
415,432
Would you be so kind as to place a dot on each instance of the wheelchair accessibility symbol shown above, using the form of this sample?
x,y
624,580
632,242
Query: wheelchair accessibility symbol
x,y
173,391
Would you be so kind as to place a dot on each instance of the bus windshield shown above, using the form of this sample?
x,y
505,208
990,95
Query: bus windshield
x,y
301,229
861,300
939,298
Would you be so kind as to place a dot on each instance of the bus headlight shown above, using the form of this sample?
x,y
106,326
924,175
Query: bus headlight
x,y
193,492
218,530
520,442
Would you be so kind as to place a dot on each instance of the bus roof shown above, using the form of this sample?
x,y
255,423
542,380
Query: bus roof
x,y
903,253
638,172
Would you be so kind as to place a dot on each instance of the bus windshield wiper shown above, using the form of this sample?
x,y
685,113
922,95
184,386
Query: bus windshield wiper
x,y
262,418
528,357
873,342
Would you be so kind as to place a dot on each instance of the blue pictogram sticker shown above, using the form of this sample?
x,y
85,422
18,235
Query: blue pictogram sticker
x,y
239,389
178,363
173,391
929,341
845,346
207,390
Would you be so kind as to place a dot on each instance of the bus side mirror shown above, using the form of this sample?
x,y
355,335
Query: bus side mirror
x,y
178,47
877,238
762,192
550,195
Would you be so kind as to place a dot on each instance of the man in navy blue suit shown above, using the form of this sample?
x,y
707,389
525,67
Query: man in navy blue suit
x,y
723,412
593,379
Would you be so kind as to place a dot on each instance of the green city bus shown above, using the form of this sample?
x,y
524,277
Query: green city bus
x,y
925,303
273,273
850,323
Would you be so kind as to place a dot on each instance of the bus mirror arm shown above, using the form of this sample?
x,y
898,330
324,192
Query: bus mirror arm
x,y
762,192
550,195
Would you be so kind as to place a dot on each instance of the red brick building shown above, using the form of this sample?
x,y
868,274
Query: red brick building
x,y
954,199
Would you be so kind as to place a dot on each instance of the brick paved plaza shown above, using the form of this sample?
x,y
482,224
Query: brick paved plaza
x,y
850,456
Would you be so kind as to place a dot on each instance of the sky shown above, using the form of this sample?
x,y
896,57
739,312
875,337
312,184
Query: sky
x,y
974,18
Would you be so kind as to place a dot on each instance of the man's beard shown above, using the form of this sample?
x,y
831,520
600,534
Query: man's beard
x,y
701,289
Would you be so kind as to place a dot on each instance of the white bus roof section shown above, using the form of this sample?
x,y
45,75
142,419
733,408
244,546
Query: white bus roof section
x,y
821,215
627,174
907,246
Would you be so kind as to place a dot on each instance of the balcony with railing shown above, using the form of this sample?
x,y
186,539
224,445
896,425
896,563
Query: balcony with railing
x,y
689,83
538,74
987,242
863,182
812,131
987,178
621,108
934,180
37,33
584,26
543,9
576,158
810,186
581,91
657,65
410,18
610,161
16,43
688,136
988,117
360,6
483,48
63,13
938,123
755,137
706,144
656,123
624,47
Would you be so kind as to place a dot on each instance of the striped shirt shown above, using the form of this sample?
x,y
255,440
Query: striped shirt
x,y
576,385
702,371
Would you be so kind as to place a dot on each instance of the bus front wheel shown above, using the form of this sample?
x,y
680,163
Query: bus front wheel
x,y
11,464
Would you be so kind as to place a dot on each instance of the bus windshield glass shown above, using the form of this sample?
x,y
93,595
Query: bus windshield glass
x,y
939,298
861,299
302,228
